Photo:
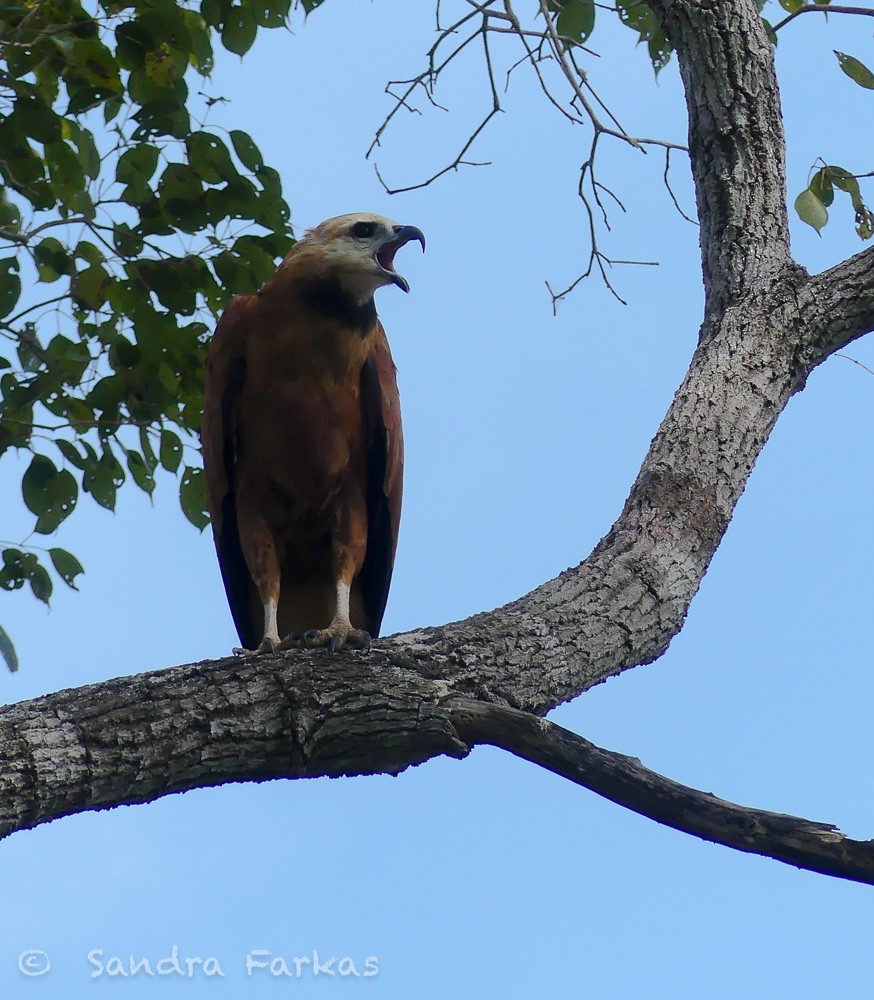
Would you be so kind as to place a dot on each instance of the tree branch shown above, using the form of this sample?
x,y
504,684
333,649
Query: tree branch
x,y
837,305
818,847
736,142
304,714
300,715
829,9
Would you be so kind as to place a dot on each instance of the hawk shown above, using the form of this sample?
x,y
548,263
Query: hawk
x,y
302,442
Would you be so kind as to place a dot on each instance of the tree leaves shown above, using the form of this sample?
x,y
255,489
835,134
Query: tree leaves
x,y
813,202
637,16
67,566
855,70
49,493
20,567
811,209
10,285
576,18
192,497
108,319
7,651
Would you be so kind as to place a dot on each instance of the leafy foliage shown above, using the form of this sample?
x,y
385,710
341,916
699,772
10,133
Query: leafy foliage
x,y
640,19
125,223
856,70
813,202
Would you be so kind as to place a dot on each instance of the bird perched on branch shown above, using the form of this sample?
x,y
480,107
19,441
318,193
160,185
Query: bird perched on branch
x,y
302,442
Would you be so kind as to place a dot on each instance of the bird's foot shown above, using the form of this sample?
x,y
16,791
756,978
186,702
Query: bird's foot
x,y
267,645
336,636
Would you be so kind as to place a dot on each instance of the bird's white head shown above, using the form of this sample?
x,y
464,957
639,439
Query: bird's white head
x,y
359,249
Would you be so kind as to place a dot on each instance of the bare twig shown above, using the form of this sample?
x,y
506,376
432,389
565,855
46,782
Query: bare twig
x,y
580,104
830,9
688,218
855,361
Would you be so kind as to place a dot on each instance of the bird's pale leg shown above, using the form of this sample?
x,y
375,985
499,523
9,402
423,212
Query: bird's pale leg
x,y
340,632
349,546
264,569
270,642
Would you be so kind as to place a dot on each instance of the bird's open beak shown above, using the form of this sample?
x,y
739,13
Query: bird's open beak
x,y
385,255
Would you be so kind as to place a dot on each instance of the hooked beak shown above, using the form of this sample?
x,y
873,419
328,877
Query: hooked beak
x,y
385,255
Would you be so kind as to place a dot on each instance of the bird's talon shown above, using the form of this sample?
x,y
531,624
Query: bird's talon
x,y
267,645
336,638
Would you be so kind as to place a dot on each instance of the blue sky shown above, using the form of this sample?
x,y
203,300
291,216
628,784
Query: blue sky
x,y
489,877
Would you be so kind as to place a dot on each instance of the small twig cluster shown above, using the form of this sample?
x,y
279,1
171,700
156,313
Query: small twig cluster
x,y
572,95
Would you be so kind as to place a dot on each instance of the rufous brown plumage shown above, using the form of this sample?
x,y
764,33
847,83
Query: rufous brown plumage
x,y
302,442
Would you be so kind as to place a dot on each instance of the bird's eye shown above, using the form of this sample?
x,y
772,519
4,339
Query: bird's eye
x,y
363,230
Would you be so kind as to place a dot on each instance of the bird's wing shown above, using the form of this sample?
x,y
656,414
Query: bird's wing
x,y
381,409
225,373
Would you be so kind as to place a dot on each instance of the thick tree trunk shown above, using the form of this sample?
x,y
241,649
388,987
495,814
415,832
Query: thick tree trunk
x,y
767,324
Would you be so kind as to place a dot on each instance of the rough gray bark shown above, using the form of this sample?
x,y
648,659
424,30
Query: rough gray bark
x,y
767,324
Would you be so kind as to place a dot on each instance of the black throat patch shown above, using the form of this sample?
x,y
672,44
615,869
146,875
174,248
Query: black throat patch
x,y
327,297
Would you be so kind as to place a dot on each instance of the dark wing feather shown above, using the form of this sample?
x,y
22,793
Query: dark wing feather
x,y
225,373
381,408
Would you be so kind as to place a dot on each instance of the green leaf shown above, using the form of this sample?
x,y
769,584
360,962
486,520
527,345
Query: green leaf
x,y
864,222
270,13
29,350
69,359
164,66
69,451
180,191
210,158
89,157
126,240
855,70
821,186
170,451
52,259
137,163
41,584
192,497
10,216
163,116
91,62
149,456
637,16
577,19
16,569
89,252
103,480
35,483
239,30
89,287
7,651
49,493
200,48
811,210
844,180
67,566
37,118
10,285
247,152
139,472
